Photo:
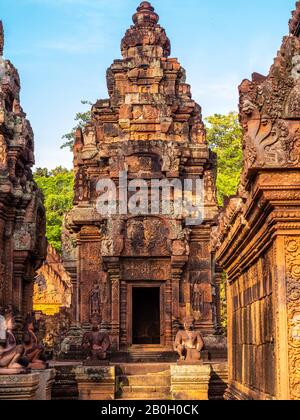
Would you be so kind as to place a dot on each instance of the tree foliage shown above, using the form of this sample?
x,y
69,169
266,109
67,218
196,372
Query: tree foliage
x,y
57,186
81,119
224,135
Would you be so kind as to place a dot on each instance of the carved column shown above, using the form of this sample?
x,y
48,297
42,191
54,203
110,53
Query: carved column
x,y
89,267
113,268
177,267
168,314
218,279
75,292
200,267
124,339
18,273
27,303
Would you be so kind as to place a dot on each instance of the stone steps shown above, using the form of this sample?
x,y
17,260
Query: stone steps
x,y
140,380
143,369
154,398
147,355
143,382
146,389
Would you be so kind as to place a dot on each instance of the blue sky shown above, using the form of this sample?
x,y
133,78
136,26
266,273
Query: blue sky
x,y
62,49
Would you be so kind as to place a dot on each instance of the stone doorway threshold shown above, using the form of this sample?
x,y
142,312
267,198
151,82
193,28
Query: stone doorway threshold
x,y
145,354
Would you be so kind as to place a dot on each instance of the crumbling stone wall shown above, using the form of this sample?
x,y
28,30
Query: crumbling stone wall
x,y
52,286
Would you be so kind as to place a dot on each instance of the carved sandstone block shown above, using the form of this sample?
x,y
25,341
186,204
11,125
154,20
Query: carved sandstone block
x,y
19,387
47,378
190,382
96,383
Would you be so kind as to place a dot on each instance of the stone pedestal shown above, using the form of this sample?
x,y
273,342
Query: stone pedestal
x,y
19,387
65,387
47,378
190,382
96,383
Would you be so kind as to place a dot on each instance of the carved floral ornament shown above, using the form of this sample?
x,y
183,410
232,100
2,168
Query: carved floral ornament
x,y
293,260
293,298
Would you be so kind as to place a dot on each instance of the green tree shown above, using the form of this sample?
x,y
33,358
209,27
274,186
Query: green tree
x,y
224,135
42,172
57,186
81,119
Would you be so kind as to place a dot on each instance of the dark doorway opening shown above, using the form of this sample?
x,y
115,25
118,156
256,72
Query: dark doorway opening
x,y
146,315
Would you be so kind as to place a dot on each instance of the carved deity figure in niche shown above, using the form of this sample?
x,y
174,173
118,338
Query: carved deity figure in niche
x,y
107,246
95,301
96,343
170,159
34,352
292,108
294,148
189,343
148,236
209,185
197,301
89,136
10,353
82,186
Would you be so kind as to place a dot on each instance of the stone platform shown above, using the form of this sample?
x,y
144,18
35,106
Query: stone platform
x,y
19,387
190,382
96,383
46,381
143,381
139,381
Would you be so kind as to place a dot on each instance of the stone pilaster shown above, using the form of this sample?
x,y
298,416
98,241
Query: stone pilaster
x,y
46,381
113,269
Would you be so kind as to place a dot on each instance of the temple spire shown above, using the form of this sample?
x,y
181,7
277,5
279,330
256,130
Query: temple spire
x,y
294,23
146,37
145,15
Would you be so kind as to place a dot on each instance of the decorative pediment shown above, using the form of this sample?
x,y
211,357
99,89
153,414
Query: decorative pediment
x,y
270,111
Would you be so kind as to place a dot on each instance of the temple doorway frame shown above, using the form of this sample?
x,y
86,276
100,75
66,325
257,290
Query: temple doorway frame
x,y
161,285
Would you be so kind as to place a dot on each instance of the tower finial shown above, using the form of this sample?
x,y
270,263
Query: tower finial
x,y
145,37
1,39
145,15
294,23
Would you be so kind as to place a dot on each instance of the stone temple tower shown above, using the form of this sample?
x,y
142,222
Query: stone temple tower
x,y
142,273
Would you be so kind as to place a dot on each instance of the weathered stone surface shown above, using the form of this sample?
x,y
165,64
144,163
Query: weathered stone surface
x,y
258,239
22,214
52,286
218,381
152,128
96,383
65,387
46,381
19,387
190,382
143,381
